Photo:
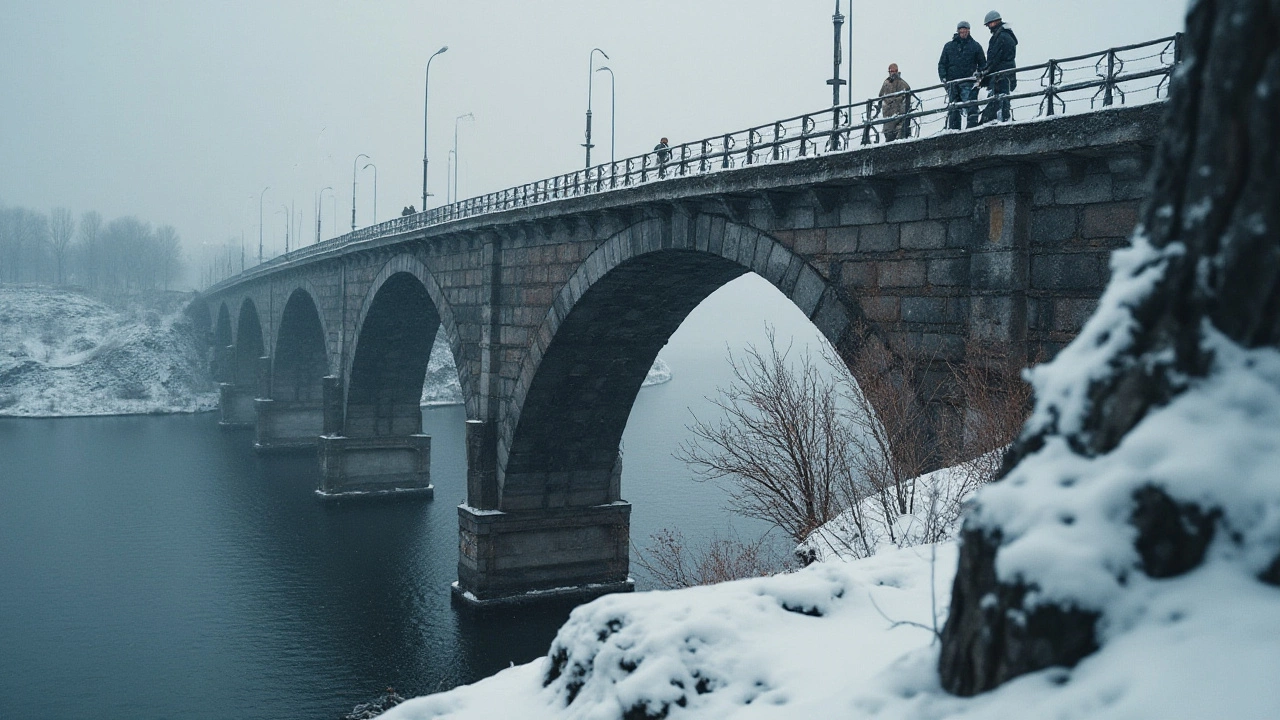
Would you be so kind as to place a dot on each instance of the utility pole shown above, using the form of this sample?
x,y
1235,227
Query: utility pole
x,y
264,191
837,20
426,88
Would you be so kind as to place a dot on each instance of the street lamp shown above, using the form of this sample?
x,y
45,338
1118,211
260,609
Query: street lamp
x,y
448,186
264,190
426,86
456,159
288,219
320,210
613,106
375,189
353,188
591,73
837,19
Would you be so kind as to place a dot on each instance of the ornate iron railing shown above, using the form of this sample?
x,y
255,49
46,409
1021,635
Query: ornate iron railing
x,y
1128,75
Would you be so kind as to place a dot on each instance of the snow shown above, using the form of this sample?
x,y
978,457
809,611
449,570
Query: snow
x,y
784,646
64,353
829,641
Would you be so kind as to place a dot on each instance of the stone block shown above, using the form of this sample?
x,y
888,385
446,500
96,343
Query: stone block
x,y
878,238
810,242
907,209
997,270
924,309
1070,314
958,205
1053,225
863,212
880,308
995,181
925,235
960,233
902,273
1086,190
1069,271
1109,220
841,240
949,272
808,290
858,274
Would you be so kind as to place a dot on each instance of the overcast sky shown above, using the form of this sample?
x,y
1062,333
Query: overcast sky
x,y
180,112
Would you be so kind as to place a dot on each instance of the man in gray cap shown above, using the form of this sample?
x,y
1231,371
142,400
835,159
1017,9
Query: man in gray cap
x,y
998,75
961,59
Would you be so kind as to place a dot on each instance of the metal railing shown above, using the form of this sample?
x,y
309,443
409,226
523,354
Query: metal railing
x,y
1131,74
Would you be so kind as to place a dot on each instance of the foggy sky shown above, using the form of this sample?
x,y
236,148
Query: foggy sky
x,y
181,112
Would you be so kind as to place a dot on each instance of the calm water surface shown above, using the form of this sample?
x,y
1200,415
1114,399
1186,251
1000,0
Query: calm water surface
x,y
156,567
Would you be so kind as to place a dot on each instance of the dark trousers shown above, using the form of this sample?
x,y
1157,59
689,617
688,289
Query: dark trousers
x,y
958,93
998,105
897,129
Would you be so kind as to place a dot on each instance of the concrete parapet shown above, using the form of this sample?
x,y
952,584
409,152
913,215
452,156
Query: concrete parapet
x,y
236,404
288,425
509,558
380,465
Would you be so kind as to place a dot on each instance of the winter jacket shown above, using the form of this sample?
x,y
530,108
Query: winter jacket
x,y
894,105
960,58
1002,53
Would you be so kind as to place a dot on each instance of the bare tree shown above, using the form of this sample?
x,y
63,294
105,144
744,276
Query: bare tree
x,y
89,250
779,441
168,254
62,227
673,562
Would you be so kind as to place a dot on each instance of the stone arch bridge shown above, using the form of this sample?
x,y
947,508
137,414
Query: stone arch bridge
x,y
555,311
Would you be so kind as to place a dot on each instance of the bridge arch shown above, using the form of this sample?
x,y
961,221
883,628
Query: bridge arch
x,y
249,345
300,359
558,442
394,333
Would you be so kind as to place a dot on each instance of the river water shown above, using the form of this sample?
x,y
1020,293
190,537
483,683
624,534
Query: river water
x,y
156,567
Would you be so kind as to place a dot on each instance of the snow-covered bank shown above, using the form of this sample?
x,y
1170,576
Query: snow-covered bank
x,y
65,353
441,386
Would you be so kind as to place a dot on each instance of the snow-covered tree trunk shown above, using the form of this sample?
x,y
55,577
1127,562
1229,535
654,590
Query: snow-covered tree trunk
x,y
1205,264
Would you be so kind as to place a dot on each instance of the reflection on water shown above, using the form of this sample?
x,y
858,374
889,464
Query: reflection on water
x,y
156,567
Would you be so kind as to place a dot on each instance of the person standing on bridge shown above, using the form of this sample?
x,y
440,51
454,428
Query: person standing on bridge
x,y
1002,55
961,59
895,104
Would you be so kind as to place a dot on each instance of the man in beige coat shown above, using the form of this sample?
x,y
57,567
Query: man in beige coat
x,y
896,105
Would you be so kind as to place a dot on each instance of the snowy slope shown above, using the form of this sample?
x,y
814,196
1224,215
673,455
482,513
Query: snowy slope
x,y
65,353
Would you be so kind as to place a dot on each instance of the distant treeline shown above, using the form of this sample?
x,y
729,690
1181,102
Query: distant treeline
x,y
122,256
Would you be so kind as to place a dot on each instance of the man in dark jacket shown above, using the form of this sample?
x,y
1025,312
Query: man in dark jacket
x,y
1002,54
961,59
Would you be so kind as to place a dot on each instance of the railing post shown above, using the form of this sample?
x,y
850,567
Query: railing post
x,y
724,164
777,138
702,159
1177,48
866,125
1111,77
1050,90
684,159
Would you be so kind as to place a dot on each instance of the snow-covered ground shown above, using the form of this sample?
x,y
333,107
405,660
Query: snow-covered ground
x,y
65,353
441,386
855,638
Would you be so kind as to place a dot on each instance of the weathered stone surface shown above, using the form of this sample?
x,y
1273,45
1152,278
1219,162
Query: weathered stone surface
x,y
554,310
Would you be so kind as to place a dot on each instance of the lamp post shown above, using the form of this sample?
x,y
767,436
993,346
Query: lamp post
x,y
591,73
426,85
836,81
613,107
320,210
353,188
375,189
456,159
448,186
288,218
264,190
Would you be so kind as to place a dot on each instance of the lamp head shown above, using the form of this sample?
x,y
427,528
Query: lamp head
x,y
441,50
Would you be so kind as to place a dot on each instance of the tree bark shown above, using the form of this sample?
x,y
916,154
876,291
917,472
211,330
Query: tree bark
x,y
1217,192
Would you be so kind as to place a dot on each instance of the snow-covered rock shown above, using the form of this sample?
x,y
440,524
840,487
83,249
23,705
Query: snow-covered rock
x,y
64,352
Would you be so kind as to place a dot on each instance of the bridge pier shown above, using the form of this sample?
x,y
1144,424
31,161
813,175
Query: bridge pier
x,y
237,405
517,556
369,465
287,424
521,557
375,465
